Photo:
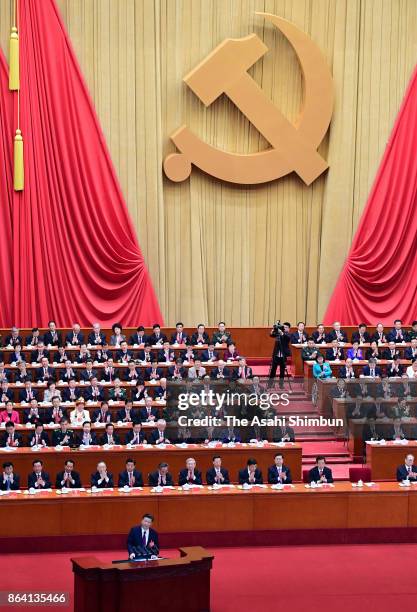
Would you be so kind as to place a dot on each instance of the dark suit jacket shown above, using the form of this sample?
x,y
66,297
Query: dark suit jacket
x,y
104,439
408,353
58,436
356,337
92,339
226,373
182,371
279,433
205,355
155,436
104,485
124,357
154,340
79,438
44,438
193,340
68,485
211,475
98,417
88,394
50,374
391,372
388,355
130,435
332,336
66,396
134,339
137,374
32,479
88,374
34,356
235,373
367,371
153,479
184,338
69,339
330,354
15,486
343,373
314,474
392,335
23,395
124,479
402,473
121,414
134,540
182,478
273,475
143,414
9,340
148,372
47,338
17,436
315,336
295,338
244,476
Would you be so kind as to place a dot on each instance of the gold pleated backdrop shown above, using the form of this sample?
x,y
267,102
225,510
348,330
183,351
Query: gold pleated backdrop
x,y
214,250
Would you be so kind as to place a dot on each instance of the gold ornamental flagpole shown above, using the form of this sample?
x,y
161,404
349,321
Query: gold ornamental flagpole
x,y
14,85
14,76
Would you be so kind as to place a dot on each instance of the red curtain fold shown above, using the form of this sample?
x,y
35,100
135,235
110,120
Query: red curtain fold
x,y
6,191
379,279
75,249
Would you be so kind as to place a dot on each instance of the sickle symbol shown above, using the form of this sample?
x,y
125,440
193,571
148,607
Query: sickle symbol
x,y
293,145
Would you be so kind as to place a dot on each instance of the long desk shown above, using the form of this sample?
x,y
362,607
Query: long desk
x,y
208,510
148,457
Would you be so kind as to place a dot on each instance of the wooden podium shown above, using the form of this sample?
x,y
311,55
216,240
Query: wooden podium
x,y
181,584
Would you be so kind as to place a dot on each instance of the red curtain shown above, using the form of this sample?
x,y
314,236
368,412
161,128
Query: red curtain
x,y
6,190
76,255
379,278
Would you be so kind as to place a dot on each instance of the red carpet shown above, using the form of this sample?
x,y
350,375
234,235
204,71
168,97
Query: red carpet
x,y
298,579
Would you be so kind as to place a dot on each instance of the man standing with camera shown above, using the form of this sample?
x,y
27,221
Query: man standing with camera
x,y
281,333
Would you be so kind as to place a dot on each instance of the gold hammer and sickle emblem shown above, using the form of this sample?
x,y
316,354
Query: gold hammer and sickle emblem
x,y
293,146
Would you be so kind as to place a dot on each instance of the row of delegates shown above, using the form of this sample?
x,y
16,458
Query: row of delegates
x,y
336,353
396,334
322,369
64,436
373,431
102,478
75,337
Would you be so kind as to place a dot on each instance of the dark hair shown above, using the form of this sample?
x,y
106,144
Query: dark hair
x,y
69,461
7,464
9,424
155,325
34,329
38,424
147,515
130,460
163,464
397,321
362,325
252,461
279,455
179,323
320,458
287,323
37,461
86,423
216,457
109,424
140,328
221,323
116,325
414,323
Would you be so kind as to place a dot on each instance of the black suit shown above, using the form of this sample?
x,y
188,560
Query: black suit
x,y
101,339
211,476
48,339
402,473
79,439
103,485
36,356
273,475
356,337
367,371
333,336
68,484
143,414
154,340
14,486
69,339
135,339
43,438
105,440
183,477
10,341
280,353
24,397
122,416
135,542
66,394
124,479
155,437
16,436
226,374
32,479
332,354
244,476
153,478
194,339
314,474
87,375
46,374
131,435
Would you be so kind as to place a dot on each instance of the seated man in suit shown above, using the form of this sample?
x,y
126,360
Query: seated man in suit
x,y
22,374
52,336
411,351
395,369
157,338
127,414
68,478
68,372
148,414
13,338
17,356
279,473
177,371
319,335
166,355
130,477
371,431
63,436
320,473
154,373
180,336
102,414
200,336
243,372
217,474
9,481
56,412
145,356
161,477
222,335
347,371
33,413
209,354
109,372
309,352
190,474
337,333
335,353
6,393
321,369
11,438
391,352
75,337
96,337
39,437
38,479
361,336
251,474
34,337
124,355
103,354
132,374
407,471
45,372
39,353
139,338
396,431
222,372
397,334
300,336
86,437
143,540
136,435
283,433
102,479
158,436
94,393
371,369
88,373
110,437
